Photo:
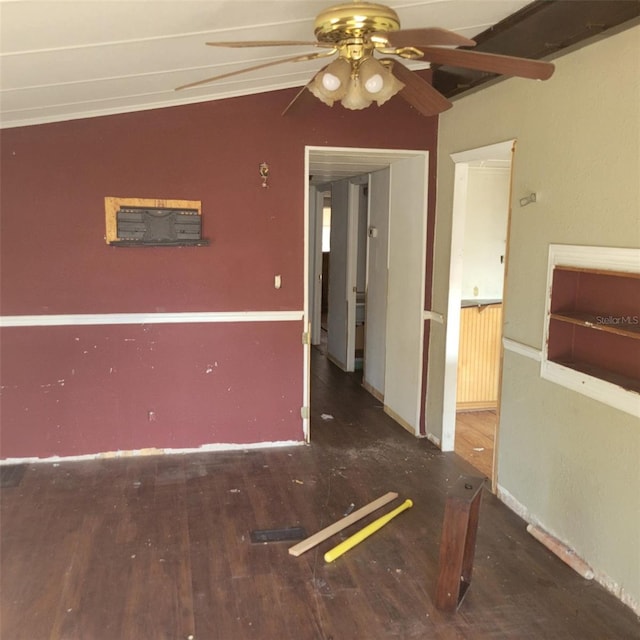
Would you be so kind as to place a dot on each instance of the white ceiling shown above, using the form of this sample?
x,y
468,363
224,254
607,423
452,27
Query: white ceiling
x,y
328,163
67,59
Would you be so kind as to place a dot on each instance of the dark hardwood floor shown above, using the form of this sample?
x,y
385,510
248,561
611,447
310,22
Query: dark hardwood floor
x,y
156,548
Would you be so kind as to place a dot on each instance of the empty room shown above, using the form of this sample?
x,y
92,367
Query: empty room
x,y
253,256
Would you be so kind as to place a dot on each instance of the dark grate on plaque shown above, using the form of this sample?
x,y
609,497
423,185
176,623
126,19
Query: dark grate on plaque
x,y
11,475
278,535
157,226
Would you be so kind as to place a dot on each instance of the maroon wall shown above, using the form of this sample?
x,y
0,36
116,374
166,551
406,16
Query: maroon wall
x,y
128,386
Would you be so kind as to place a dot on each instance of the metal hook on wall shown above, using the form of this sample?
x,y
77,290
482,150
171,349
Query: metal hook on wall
x,y
527,199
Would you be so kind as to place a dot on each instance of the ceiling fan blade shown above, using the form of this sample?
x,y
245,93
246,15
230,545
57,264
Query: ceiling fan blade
x,y
295,99
303,58
490,62
418,92
271,43
302,94
431,36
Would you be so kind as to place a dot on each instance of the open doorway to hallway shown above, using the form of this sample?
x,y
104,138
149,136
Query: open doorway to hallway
x,y
324,274
328,292
376,275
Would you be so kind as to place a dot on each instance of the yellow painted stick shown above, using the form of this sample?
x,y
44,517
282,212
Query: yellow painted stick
x,y
365,532
341,524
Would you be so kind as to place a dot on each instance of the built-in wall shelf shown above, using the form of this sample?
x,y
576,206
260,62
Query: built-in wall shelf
x,y
592,328
624,382
608,324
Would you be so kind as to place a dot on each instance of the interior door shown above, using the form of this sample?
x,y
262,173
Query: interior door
x,y
376,286
338,292
406,285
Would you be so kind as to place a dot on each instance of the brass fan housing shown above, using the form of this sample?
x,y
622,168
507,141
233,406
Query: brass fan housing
x,y
354,21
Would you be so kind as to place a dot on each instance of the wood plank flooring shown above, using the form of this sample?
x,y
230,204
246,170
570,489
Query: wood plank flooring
x,y
157,548
475,435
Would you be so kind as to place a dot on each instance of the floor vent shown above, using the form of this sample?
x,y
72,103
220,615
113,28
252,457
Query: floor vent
x,y
11,475
278,535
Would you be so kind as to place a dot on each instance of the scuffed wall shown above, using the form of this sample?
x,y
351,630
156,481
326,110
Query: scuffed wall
x,y
568,462
75,389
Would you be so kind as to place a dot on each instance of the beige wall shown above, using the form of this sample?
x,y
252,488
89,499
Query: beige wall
x,y
565,461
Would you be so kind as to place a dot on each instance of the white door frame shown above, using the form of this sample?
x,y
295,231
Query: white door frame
x,y
462,161
316,209
306,322
406,263
352,267
367,160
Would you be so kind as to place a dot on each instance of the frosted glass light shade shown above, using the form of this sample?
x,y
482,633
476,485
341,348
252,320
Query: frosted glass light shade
x,y
377,82
356,98
355,83
332,82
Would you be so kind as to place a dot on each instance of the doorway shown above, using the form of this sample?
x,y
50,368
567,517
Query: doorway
x,y
479,250
395,233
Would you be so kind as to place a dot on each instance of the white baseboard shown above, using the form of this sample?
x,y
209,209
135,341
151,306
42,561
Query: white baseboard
x,y
153,451
434,439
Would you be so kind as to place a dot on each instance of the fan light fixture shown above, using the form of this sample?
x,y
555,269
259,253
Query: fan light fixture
x,y
356,78
355,83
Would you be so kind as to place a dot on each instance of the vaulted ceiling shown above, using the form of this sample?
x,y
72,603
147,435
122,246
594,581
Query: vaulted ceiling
x,y
66,59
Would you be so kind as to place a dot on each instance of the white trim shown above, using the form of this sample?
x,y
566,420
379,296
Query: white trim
x,y
420,226
423,271
98,112
588,257
452,333
433,315
152,451
434,439
373,159
386,156
490,151
522,349
609,258
353,214
306,348
600,390
148,318
316,208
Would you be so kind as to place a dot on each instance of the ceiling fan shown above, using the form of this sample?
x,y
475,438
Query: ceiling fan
x,y
357,78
